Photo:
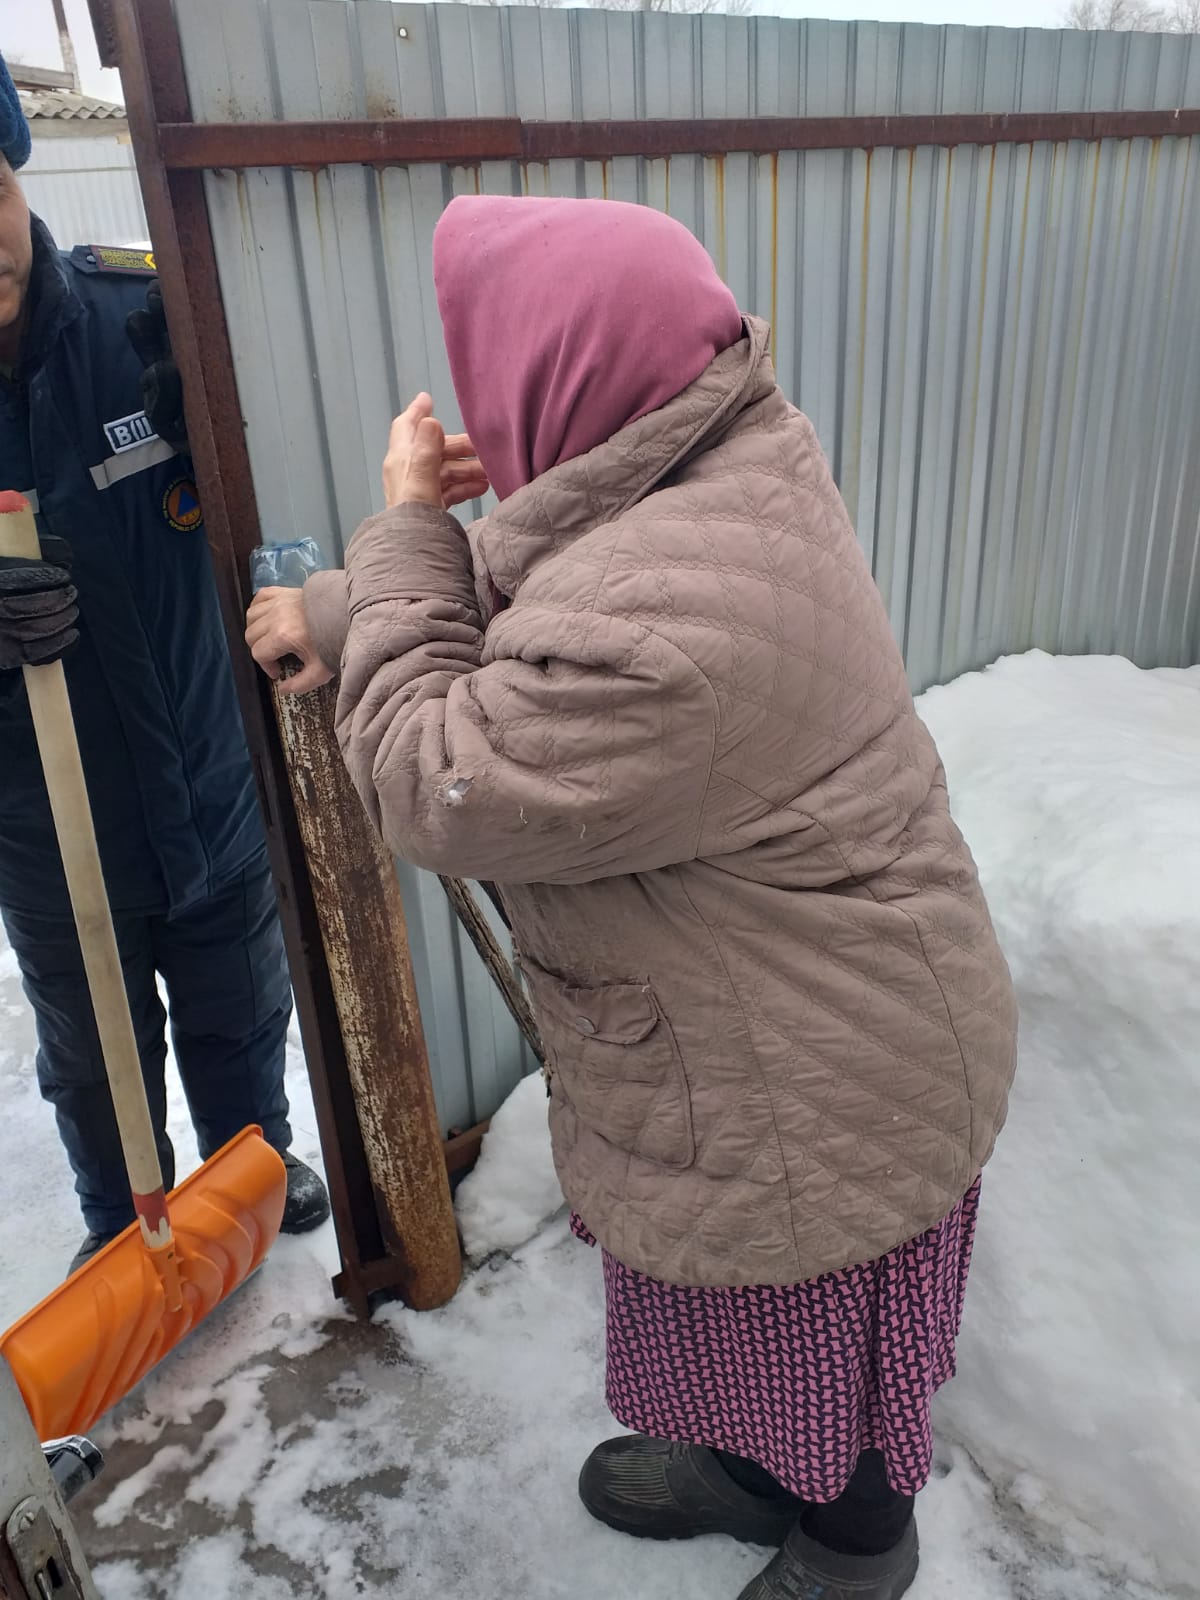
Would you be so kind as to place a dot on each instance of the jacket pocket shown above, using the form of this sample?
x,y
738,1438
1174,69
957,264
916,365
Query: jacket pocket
x,y
614,1058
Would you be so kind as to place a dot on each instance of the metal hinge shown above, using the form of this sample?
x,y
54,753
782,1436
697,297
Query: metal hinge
x,y
43,1561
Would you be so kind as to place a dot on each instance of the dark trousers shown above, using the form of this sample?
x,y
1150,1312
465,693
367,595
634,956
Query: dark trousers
x,y
868,1518
226,978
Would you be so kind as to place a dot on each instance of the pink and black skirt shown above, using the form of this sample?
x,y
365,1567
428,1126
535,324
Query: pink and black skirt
x,y
800,1378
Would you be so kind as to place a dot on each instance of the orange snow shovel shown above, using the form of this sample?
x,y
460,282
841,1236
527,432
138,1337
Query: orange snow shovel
x,y
92,1339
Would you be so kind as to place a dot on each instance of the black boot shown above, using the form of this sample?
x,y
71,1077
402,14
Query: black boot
x,y
307,1203
861,1546
91,1246
806,1570
656,1490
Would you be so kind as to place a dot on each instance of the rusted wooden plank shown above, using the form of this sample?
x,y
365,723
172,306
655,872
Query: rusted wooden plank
x,y
366,947
462,1152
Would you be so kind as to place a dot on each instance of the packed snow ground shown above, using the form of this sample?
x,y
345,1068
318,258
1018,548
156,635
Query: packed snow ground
x,y
290,1453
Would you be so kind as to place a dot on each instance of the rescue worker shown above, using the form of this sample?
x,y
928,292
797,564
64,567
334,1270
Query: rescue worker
x,y
125,595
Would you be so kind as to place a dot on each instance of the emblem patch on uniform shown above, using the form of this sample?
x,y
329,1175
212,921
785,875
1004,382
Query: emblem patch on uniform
x,y
181,506
123,433
113,258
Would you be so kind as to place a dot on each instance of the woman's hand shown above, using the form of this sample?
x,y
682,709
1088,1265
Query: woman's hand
x,y
277,627
426,466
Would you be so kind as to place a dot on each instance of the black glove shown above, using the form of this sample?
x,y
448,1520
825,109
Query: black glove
x,y
162,389
37,607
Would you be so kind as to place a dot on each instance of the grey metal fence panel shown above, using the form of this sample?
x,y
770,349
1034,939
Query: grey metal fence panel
x,y
999,347
85,189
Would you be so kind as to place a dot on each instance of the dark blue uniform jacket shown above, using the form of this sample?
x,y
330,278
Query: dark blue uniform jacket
x,y
150,681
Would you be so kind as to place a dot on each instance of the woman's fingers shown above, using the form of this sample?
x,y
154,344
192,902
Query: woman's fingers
x,y
312,674
414,454
269,663
421,476
463,494
462,481
462,471
404,427
260,621
418,409
267,651
458,445
276,630
424,463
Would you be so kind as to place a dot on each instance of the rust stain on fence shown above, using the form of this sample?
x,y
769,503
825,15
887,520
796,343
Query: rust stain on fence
x,y
718,163
863,301
315,178
948,194
984,276
1094,200
1183,194
774,248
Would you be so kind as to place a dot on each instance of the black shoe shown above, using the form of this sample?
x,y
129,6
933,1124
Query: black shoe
x,y
806,1570
307,1203
656,1490
93,1243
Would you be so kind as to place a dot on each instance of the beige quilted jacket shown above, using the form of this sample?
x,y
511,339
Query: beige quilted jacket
x,y
780,1031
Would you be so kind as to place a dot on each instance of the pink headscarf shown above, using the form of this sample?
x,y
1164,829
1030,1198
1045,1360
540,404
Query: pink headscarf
x,y
566,320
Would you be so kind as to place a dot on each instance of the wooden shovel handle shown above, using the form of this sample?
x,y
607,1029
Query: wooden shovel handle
x,y
67,787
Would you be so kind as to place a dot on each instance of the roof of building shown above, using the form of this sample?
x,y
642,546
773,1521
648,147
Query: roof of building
x,y
60,105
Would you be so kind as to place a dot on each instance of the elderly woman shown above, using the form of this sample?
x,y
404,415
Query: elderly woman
x,y
655,697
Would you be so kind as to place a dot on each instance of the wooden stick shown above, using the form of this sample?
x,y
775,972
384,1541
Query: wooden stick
x,y
497,963
66,785
462,1151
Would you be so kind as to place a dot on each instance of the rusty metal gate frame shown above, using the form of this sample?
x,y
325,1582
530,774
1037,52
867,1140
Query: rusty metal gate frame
x,y
173,152
140,37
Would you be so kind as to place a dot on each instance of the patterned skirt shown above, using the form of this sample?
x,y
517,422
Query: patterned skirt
x,y
800,1378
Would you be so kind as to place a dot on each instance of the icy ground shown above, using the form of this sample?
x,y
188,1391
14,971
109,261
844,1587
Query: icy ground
x,y
290,1454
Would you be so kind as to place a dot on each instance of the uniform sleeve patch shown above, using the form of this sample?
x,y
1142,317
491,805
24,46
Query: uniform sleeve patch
x,y
123,433
181,506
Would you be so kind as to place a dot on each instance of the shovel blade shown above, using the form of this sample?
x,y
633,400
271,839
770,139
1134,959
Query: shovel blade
x,y
99,1333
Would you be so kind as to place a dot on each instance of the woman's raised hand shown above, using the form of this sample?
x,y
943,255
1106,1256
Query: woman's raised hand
x,y
426,465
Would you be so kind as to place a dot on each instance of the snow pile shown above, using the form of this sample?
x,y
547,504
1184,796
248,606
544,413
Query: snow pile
x,y
514,1187
1077,783
31,1161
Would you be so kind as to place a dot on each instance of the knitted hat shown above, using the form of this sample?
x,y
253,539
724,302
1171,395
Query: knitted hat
x,y
15,143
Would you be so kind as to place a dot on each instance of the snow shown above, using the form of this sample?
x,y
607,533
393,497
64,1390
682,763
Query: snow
x,y
514,1187
1078,784
290,1452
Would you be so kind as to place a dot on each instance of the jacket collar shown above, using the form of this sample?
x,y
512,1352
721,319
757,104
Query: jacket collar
x,y
52,301
571,500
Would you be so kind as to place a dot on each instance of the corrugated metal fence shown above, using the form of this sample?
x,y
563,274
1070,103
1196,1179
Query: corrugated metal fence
x,y
999,346
85,189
